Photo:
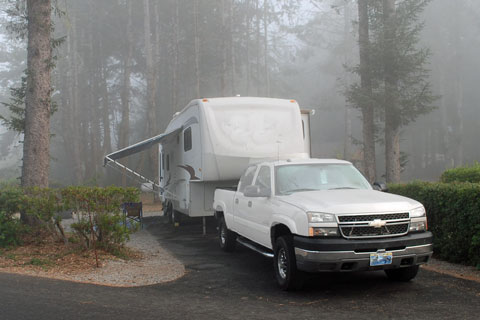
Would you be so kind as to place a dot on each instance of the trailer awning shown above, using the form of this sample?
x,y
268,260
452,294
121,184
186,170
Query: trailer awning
x,y
140,146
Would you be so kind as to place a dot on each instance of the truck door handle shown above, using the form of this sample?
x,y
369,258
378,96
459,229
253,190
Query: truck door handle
x,y
236,201
249,204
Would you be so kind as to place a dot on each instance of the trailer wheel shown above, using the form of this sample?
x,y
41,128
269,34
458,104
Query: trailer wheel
x,y
168,212
176,217
402,274
228,238
285,265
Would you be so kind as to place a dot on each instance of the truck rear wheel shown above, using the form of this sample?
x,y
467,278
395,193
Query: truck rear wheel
x,y
402,274
285,264
228,238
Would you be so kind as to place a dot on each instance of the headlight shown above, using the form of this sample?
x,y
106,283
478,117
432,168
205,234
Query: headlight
x,y
417,212
418,226
323,232
314,217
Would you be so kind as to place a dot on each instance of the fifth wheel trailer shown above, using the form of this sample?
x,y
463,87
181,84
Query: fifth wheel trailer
x,y
210,143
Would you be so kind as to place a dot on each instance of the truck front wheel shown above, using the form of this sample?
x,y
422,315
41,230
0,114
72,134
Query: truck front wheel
x,y
228,238
402,274
285,265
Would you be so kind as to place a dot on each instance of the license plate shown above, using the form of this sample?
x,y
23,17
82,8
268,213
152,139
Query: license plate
x,y
380,258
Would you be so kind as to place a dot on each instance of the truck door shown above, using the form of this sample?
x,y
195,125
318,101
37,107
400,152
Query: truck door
x,y
241,224
259,210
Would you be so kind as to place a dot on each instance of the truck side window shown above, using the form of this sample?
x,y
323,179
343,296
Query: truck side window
x,y
187,139
263,178
168,162
247,178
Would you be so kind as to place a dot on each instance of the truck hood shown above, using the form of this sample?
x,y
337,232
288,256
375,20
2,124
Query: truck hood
x,y
349,201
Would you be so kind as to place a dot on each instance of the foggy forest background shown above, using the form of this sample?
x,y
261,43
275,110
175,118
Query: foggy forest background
x,y
123,68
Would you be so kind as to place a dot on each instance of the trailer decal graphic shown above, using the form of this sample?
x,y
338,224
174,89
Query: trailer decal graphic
x,y
191,171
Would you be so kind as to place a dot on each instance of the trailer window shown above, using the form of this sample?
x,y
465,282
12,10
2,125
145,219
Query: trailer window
x,y
187,139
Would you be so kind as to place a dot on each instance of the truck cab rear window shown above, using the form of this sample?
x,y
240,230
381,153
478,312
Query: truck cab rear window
x,y
247,178
187,139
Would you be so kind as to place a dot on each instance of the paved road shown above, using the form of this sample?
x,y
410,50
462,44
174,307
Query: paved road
x,y
238,286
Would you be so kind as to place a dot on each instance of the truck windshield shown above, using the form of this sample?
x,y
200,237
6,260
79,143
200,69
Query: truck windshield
x,y
310,177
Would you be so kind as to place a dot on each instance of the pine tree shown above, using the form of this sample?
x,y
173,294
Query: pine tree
x,y
400,89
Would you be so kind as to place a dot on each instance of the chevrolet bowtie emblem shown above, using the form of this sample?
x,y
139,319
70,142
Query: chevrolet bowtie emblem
x,y
377,223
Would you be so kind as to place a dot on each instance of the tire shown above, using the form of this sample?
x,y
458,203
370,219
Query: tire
x,y
176,217
168,213
402,274
226,237
285,265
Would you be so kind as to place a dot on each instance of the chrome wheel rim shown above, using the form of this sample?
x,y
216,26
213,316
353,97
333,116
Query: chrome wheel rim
x,y
223,234
282,263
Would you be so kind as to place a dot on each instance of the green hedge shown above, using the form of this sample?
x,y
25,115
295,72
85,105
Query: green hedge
x,y
453,211
463,174
99,215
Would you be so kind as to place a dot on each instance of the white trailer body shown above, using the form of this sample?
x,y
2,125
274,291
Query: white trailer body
x,y
211,142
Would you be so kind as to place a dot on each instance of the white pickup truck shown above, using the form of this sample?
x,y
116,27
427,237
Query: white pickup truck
x,y
322,215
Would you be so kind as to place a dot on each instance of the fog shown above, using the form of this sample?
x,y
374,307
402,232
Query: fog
x,y
125,67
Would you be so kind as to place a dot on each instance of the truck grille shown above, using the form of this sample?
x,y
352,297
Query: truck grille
x,y
358,226
371,217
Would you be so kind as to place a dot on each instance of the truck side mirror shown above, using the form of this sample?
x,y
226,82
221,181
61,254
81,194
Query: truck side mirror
x,y
380,186
256,192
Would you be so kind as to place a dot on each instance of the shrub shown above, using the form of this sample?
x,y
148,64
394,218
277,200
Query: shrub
x,y
10,230
11,199
99,213
453,211
462,174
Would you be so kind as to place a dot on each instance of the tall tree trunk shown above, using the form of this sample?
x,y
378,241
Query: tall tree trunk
x,y
347,53
232,48
94,91
36,147
124,130
459,115
151,87
197,49
223,32
458,88
265,32
107,139
366,106
74,104
392,126
175,58
257,49
247,45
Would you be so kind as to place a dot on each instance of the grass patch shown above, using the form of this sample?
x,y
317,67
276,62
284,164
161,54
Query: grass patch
x,y
40,262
